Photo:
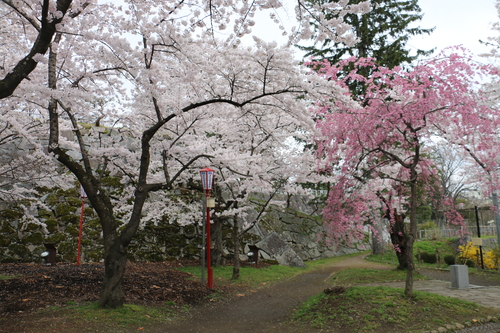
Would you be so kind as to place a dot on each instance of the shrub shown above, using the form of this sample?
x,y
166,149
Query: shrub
x,y
449,259
469,255
429,258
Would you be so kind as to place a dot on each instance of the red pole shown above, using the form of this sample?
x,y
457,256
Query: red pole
x,y
80,233
210,279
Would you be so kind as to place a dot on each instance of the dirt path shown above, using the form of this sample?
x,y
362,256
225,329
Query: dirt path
x,y
264,309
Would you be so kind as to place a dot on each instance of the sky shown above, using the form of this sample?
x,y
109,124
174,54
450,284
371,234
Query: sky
x,y
457,22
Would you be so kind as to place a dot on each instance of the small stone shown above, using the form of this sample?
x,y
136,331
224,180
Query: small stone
x,y
442,330
459,326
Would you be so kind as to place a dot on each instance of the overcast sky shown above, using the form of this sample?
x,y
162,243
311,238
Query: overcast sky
x,y
457,22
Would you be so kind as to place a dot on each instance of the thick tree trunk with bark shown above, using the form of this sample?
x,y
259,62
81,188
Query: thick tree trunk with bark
x,y
114,266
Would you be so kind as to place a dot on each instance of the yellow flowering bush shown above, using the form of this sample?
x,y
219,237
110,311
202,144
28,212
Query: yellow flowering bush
x,y
491,258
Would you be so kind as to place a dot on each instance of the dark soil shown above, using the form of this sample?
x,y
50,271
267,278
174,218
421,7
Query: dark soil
x,y
26,288
38,286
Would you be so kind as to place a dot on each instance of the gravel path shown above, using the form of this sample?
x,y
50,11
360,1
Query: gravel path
x,y
486,328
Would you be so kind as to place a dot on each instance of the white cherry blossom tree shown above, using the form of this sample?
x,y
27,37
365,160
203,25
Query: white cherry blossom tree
x,y
169,88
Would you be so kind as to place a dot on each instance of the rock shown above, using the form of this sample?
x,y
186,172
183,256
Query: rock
x,y
280,251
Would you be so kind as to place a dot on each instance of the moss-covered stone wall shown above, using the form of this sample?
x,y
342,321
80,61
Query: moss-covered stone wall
x,y
22,240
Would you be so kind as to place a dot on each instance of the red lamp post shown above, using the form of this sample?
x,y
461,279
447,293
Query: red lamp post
x,y
207,178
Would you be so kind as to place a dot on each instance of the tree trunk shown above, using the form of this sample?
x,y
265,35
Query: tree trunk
x,y
217,239
377,238
114,266
399,239
236,242
411,234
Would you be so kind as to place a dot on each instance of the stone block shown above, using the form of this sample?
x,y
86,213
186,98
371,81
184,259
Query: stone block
x,y
459,275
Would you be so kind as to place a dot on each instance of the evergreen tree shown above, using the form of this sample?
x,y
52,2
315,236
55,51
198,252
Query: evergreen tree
x,y
382,33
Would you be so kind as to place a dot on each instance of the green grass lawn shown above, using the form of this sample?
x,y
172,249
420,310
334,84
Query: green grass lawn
x,y
348,307
382,310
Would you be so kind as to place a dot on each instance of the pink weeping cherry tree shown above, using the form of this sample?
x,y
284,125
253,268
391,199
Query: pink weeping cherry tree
x,y
376,142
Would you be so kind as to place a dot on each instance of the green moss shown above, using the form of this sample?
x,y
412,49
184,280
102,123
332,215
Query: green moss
x,y
72,192
7,239
89,212
74,202
52,199
6,228
64,209
35,238
11,214
72,231
70,219
19,250
111,181
149,255
92,229
174,251
30,227
52,225
45,214
171,229
43,190
93,234
197,241
56,238
67,250
94,223
191,251
94,255
176,240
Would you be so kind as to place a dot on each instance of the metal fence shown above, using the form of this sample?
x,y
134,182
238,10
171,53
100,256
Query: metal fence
x,y
450,233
